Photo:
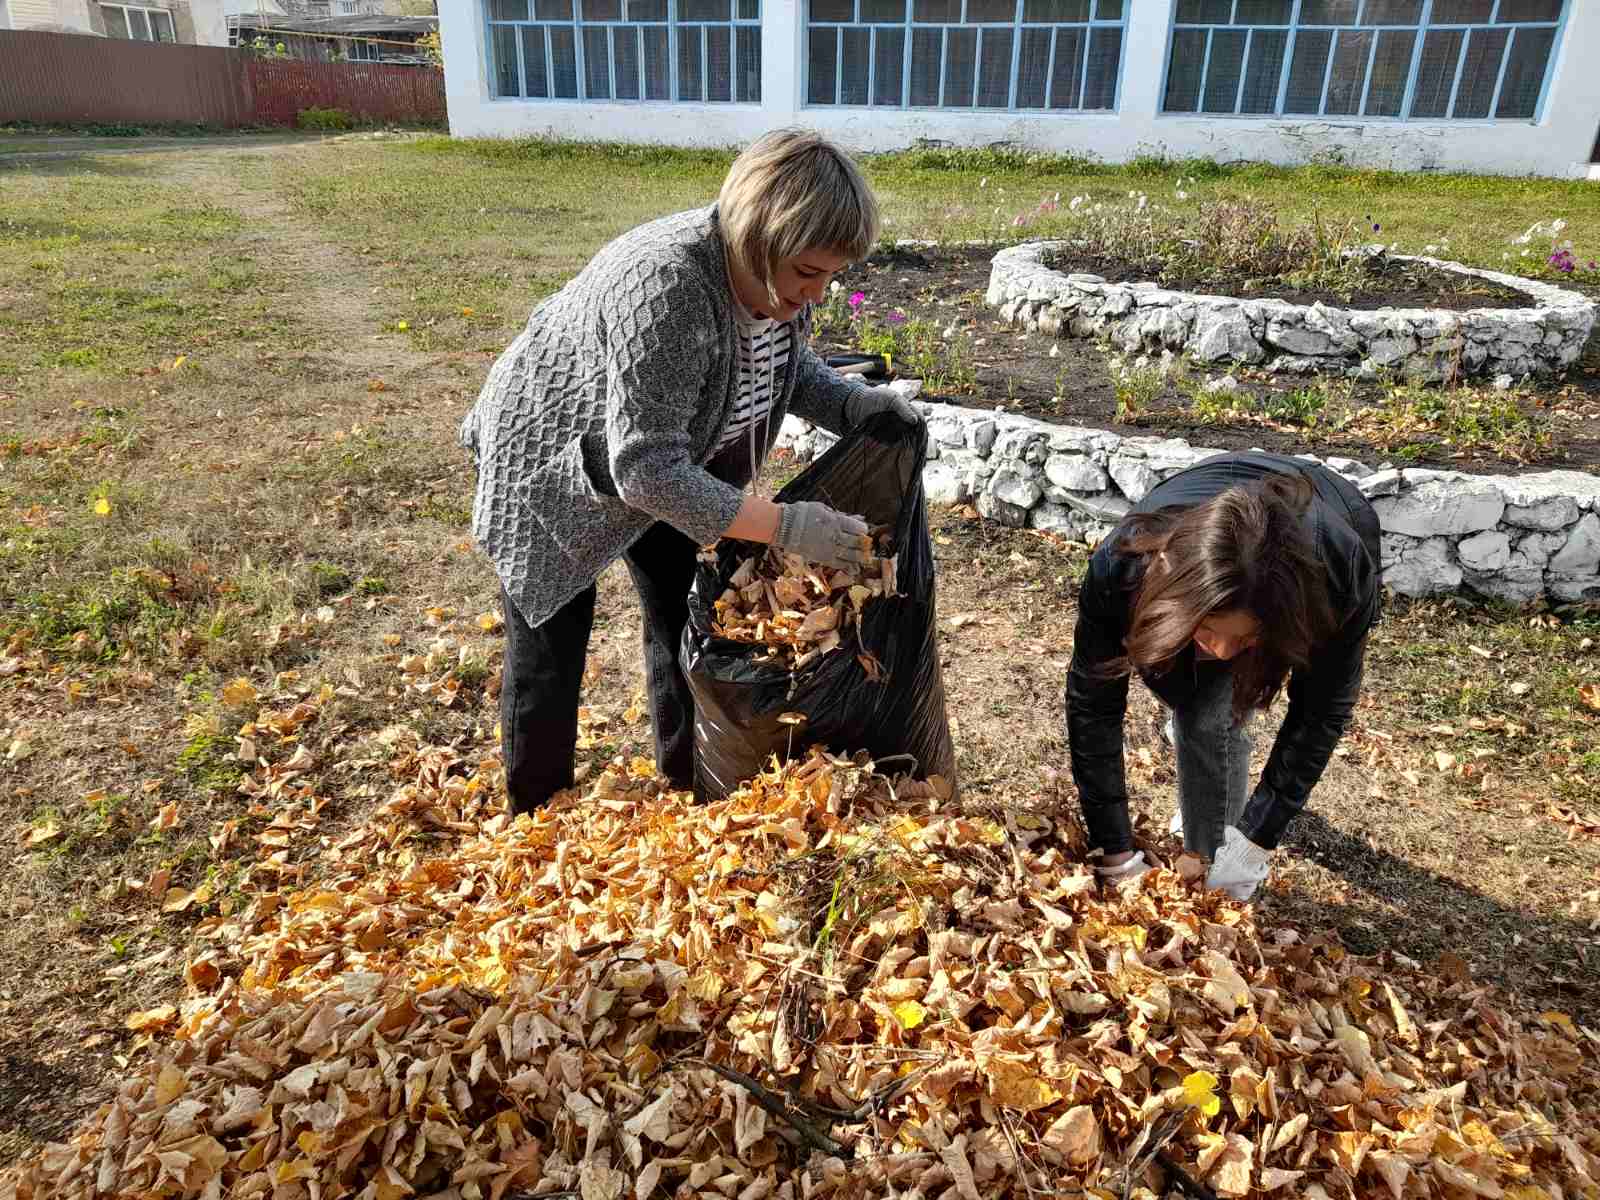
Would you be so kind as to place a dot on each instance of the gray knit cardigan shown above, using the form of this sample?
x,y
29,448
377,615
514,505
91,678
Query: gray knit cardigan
x,y
599,418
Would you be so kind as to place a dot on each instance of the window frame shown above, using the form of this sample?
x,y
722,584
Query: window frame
x,y
145,10
1420,29
910,25
672,23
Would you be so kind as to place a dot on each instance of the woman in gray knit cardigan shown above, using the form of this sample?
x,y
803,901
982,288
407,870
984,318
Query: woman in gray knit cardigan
x,y
629,416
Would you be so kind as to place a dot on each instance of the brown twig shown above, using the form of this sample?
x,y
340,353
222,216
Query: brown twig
x,y
778,1107
1182,1180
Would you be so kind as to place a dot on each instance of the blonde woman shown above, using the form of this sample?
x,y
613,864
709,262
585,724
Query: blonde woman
x,y
632,413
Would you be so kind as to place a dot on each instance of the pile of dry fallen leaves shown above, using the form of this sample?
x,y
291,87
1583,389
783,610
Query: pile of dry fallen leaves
x,y
797,609
830,984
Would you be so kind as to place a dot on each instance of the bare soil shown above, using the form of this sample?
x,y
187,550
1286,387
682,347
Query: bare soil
x,y
1384,283
1066,380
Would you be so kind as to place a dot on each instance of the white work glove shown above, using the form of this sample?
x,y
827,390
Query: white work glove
x,y
1123,872
818,534
875,400
1239,866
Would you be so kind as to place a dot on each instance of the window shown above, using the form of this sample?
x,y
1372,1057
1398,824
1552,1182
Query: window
x,y
1054,55
1400,59
140,24
674,50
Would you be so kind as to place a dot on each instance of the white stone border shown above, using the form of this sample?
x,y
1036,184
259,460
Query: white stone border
x,y
1511,537
1423,344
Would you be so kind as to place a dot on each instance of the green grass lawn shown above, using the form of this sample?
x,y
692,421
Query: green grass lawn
x,y
492,226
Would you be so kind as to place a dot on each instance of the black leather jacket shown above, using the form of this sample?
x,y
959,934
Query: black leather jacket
x,y
1345,530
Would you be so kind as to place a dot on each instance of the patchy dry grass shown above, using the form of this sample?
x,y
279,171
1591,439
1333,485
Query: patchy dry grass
x,y
288,508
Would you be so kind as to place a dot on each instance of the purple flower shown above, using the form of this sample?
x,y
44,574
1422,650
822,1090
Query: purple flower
x,y
857,299
896,317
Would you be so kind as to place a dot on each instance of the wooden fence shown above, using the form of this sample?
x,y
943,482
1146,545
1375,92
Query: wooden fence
x,y
71,79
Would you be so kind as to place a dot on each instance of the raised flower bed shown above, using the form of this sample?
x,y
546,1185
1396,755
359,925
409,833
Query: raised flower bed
x,y
1032,285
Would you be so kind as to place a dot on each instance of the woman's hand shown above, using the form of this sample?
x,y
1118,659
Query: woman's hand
x,y
875,400
819,534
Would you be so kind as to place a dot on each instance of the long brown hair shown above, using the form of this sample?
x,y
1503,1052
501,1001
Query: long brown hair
x,y
1245,550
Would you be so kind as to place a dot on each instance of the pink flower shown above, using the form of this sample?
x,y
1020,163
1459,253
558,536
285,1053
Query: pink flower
x,y
857,299
1018,220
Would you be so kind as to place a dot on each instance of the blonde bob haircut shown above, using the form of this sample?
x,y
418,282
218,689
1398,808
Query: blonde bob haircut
x,y
792,191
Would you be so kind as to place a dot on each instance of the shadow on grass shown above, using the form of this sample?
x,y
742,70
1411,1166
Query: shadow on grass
x,y
1413,911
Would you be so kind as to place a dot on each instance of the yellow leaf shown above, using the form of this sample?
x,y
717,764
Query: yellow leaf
x,y
179,361
1014,1085
489,622
1200,1091
402,326
103,507
241,693
288,1172
1589,693
909,1013
1561,1021
152,1018
43,833
170,1083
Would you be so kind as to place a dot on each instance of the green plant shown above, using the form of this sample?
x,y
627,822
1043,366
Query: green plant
x,y
324,118
1301,406
329,580
84,357
1136,386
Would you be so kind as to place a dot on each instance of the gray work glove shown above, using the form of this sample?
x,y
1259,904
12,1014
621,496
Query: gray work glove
x,y
874,400
818,534
1239,866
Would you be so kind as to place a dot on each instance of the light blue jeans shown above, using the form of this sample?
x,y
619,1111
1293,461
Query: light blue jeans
x,y
1213,753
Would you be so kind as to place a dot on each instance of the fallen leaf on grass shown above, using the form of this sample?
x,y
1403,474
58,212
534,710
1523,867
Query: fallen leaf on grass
x,y
43,832
1589,693
241,693
152,1018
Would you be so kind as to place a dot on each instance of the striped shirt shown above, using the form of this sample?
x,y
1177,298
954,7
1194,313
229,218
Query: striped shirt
x,y
763,354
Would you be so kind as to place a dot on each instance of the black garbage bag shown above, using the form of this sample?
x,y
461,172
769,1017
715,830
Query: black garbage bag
x,y
876,473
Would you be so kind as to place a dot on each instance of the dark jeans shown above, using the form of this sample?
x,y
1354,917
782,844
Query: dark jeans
x,y
1213,753
544,670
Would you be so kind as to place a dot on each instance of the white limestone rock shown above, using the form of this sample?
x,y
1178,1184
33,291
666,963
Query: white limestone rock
x,y
1016,487
993,508
1056,518
981,435
1349,468
1485,552
1224,334
942,483
1441,507
1426,569
1076,472
1383,482
1580,557
1133,476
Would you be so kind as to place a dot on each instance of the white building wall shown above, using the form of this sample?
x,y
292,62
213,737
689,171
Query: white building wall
x,y
1559,144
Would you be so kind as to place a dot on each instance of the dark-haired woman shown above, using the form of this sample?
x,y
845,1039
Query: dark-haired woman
x,y
1225,581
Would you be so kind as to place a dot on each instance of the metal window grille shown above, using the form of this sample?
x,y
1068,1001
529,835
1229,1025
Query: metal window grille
x,y
696,51
1060,55
1372,59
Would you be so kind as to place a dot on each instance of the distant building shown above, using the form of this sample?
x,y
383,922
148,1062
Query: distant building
x,y
1472,85
348,35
